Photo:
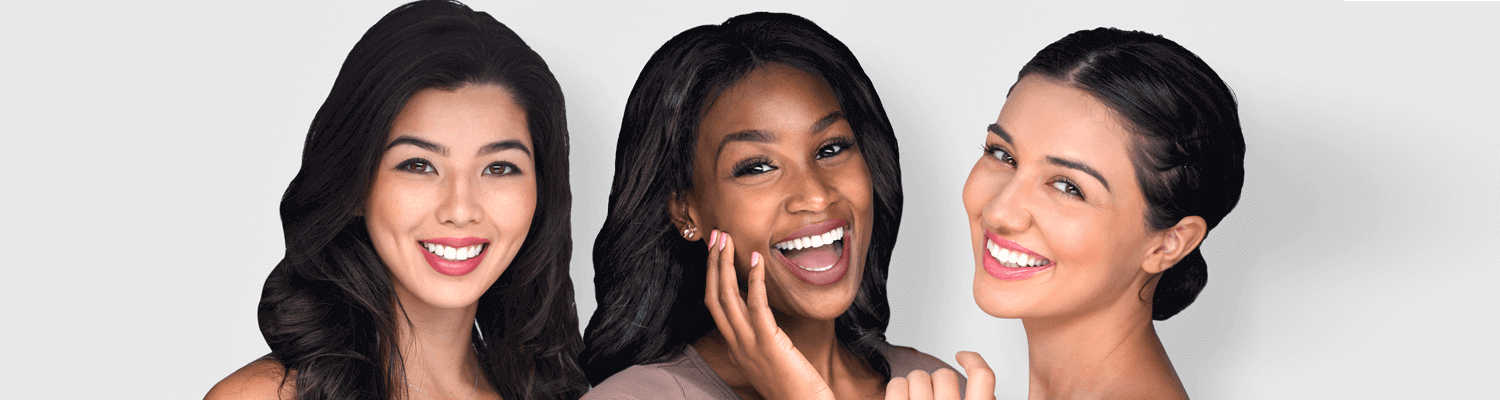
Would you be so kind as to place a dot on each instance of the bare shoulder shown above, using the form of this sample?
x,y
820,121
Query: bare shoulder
x,y
906,358
261,379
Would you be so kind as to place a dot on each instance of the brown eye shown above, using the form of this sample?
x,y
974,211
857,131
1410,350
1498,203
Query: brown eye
x,y
1067,188
501,168
1000,154
416,165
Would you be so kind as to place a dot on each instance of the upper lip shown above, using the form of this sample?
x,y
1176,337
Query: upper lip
x,y
457,242
816,229
1012,245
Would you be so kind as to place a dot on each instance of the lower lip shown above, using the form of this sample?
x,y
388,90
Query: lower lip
x,y
820,278
450,267
1004,273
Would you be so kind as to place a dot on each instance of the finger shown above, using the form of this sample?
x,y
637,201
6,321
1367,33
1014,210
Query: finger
x,y
981,377
920,385
945,384
729,293
759,307
897,389
711,290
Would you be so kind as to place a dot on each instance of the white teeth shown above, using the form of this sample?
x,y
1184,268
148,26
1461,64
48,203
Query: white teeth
x,y
454,254
812,241
1012,259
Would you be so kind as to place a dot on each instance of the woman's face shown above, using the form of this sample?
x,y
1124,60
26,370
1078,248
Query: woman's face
x,y
777,168
453,194
1056,217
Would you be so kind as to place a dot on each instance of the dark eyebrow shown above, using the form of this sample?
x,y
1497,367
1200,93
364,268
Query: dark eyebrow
x,y
425,145
826,121
998,131
1078,166
749,135
504,145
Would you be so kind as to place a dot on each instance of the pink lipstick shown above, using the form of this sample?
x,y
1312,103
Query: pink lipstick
x,y
1007,260
454,256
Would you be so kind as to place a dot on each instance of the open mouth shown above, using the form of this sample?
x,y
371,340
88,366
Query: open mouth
x,y
816,253
454,253
1013,258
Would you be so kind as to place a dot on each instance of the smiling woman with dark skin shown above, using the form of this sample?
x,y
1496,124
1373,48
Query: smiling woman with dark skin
x,y
1115,154
754,151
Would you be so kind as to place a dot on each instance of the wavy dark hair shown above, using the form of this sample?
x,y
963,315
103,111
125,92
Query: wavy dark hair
x,y
1188,150
328,309
647,279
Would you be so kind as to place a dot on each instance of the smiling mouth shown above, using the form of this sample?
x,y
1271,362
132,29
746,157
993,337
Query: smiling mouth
x,y
454,253
1014,259
816,253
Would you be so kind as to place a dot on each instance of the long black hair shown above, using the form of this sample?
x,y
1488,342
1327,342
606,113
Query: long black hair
x,y
328,309
1188,151
647,279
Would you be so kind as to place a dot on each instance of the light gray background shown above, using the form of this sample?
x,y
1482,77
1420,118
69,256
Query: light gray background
x,y
148,146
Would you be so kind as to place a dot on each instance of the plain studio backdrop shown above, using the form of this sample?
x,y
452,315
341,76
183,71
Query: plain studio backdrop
x,y
150,145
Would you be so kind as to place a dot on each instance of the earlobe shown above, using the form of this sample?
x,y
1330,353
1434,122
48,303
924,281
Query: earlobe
x,y
1175,244
682,217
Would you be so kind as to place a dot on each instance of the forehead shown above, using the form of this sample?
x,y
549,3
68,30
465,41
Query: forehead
x,y
1046,118
774,97
471,113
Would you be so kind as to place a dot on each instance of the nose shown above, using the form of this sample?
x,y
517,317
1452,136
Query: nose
x,y
811,191
459,206
1007,211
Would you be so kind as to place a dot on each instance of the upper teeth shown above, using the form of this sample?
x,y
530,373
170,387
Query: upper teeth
x,y
1013,259
454,254
812,240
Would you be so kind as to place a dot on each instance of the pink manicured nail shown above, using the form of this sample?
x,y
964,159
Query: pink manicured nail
x,y
726,240
754,258
713,236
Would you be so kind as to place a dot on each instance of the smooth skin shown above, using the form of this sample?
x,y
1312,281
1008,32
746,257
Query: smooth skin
x,y
457,164
789,161
1087,318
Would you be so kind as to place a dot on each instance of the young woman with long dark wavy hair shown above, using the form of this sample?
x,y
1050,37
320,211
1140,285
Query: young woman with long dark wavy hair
x,y
752,151
427,230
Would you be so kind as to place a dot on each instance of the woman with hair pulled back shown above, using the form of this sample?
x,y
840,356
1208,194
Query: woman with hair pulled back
x,y
1114,155
427,230
754,151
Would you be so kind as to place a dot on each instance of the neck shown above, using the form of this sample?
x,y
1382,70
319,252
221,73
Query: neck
x,y
1093,353
436,348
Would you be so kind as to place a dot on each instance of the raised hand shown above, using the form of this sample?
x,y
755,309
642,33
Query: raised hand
x,y
761,349
943,384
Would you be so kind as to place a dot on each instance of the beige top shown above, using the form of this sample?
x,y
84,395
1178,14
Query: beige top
x,y
688,376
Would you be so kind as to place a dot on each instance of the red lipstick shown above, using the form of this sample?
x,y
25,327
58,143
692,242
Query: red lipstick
x,y
454,267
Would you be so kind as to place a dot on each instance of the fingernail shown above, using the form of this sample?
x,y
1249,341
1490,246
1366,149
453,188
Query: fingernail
x,y
726,239
754,258
713,236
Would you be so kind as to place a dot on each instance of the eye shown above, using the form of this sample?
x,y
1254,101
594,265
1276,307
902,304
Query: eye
x,y
502,169
1068,188
754,166
1000,154
835,148
416,165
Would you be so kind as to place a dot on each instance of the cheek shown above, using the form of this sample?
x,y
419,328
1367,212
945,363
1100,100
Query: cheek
x,y
394,208
980,187
512,205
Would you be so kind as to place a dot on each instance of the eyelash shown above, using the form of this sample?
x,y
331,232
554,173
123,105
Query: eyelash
x,y
1071,189
757,166
761,165
421,166
991,149
843,144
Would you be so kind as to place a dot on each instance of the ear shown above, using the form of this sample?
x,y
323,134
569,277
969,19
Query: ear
x,y
1175,243
684,216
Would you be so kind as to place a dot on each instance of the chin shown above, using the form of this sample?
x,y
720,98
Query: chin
x,y
996,301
